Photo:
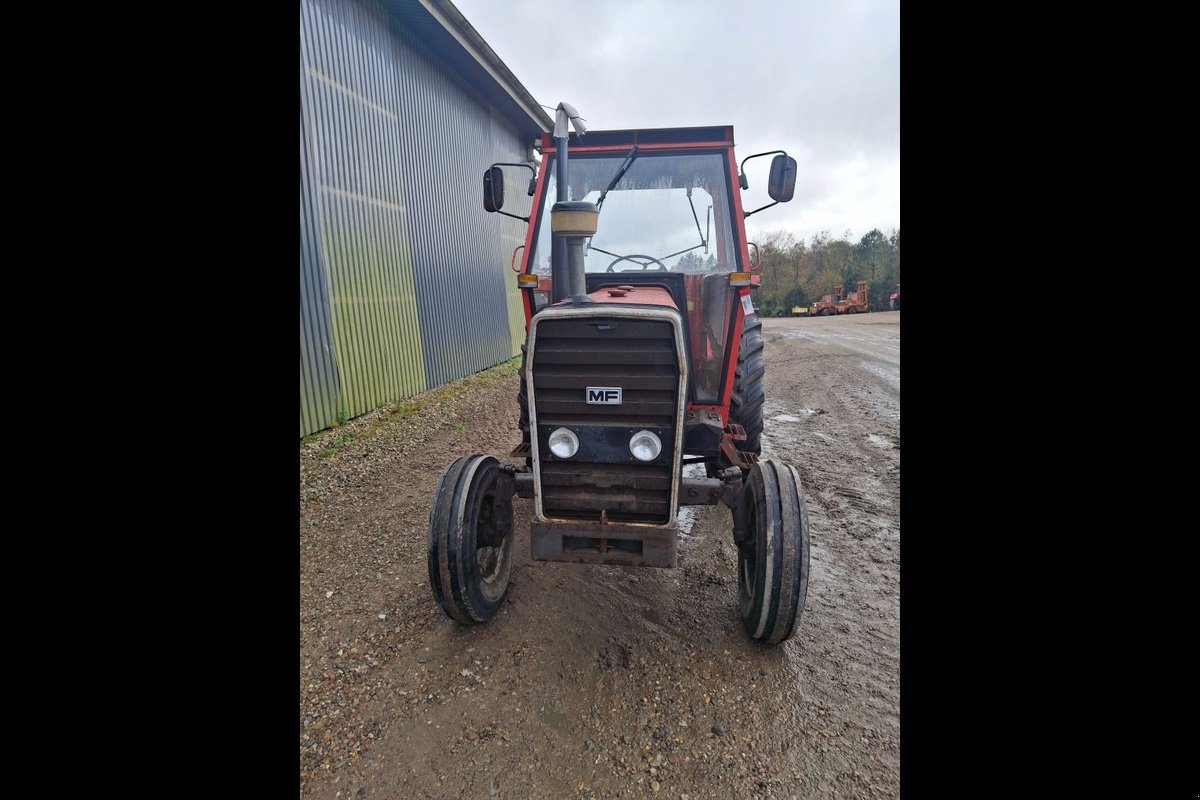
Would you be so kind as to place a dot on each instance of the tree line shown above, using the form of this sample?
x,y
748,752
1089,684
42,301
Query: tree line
x,y
797,273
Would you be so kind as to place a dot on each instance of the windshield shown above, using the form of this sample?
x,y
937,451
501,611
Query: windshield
x,y
667,212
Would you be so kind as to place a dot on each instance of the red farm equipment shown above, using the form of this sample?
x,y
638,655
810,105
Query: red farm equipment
x,y
643,360
857,302
827,306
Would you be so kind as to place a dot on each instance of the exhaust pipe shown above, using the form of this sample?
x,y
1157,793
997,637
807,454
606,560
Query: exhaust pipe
x,y
570,221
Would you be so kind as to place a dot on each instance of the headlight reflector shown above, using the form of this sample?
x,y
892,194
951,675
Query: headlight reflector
x,y
645,446
564,443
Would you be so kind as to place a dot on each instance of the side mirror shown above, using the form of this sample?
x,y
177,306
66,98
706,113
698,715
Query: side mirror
x,y
782,184
493,188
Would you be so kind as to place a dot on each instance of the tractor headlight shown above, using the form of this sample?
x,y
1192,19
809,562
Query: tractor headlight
x,y
645,446
564,443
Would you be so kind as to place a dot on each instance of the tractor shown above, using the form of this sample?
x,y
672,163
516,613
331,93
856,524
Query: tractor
x,y
827,306
858,301
641,383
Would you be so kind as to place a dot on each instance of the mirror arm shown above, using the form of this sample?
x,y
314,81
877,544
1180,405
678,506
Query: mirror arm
x,y
526,166
755,211
742,177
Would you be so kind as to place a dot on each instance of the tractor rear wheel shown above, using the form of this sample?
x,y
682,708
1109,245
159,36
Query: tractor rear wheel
x,y
470,538
771,533
746,401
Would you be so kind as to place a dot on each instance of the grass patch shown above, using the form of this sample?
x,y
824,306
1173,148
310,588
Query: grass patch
x,y
344,438
333,440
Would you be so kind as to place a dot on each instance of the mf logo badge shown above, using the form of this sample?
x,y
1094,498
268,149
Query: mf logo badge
x,y
604,395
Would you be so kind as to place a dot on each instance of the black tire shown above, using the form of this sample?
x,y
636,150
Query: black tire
x,y
470,538
851,310
746,400
773,553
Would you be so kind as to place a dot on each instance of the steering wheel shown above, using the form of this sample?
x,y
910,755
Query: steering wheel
x,y
645,261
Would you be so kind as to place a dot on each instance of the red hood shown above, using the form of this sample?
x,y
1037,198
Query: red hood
x,y
636,295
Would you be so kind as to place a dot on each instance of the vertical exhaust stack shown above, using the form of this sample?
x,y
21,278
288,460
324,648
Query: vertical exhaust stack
x,y
571,221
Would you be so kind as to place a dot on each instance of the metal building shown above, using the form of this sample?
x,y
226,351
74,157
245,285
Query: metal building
x,y
404,279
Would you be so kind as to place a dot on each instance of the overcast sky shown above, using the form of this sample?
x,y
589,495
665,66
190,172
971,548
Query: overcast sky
x,y
817,78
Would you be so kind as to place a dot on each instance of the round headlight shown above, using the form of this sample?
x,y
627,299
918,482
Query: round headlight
x,y
564,443
645,446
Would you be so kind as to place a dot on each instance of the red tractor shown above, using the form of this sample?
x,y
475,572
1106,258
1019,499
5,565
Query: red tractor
x,y
857,302
643,360
827,306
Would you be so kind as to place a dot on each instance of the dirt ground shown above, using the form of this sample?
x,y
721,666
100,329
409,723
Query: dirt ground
x,y
607,682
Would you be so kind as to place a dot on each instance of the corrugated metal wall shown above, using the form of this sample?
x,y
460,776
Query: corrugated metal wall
x,y
318,373
404,277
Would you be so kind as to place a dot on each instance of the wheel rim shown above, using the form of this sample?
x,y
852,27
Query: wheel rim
x,y
747,577
489,542
748,559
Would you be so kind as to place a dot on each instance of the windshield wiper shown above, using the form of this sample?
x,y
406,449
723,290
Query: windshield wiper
x,y
703,238
625,165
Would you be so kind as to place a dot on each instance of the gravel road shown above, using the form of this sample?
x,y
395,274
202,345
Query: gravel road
x,y
608,682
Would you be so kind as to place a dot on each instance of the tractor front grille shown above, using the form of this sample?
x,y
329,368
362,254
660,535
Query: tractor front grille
x,y
636,355
625,492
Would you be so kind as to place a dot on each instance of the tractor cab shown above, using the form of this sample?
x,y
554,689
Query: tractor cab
x,y
670,216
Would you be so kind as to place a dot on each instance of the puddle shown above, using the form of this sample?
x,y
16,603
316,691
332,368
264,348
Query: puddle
x,y
888,373
687,514
807,412
687,520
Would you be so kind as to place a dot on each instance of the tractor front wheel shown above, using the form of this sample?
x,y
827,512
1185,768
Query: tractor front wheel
x,y
771,533
470,538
